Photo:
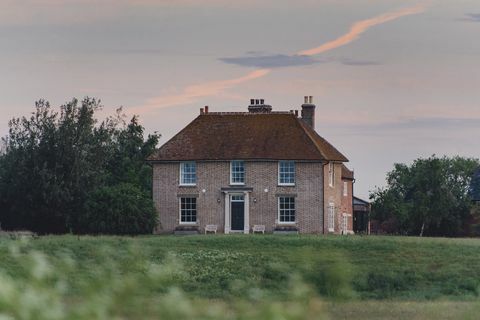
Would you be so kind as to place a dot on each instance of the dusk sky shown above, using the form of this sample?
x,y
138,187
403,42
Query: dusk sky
x,y
393,80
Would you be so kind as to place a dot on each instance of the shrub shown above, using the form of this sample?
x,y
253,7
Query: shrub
x,y
120,209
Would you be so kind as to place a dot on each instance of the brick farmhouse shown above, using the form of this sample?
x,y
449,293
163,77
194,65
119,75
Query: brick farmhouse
x,y
235,172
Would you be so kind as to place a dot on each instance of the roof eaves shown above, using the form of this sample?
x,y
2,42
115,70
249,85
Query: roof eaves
x,y
154,156
311,135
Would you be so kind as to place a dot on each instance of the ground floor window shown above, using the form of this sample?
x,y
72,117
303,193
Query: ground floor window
x,y
188,210
331,217
345,223
286,209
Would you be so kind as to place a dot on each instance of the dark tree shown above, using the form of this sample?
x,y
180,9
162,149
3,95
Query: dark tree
x,y
54,163
430,197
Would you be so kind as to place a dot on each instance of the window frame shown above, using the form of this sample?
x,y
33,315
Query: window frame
x,y
290,184
182,172
231,173
345,188
331,217
279,212
180,211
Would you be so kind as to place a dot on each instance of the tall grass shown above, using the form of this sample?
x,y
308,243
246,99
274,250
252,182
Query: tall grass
x,y
57,287
228,277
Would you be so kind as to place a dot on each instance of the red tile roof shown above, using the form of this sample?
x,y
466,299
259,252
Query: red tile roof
x,y
346,173
247,136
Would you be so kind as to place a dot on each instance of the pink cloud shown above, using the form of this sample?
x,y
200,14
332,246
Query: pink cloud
x,y
360,27
214,88
191,93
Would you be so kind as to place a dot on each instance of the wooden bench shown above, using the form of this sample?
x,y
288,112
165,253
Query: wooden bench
x,y
211,228
258,228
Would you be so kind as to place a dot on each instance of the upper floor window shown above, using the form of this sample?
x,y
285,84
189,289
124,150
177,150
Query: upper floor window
x,y
345,188
237,172
188,210
188,173
331,174
286,173
286,209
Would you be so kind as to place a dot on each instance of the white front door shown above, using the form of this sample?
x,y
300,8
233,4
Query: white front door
x,y
237,209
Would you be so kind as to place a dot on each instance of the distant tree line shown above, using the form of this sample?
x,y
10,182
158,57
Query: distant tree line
x,y
64,171
430,197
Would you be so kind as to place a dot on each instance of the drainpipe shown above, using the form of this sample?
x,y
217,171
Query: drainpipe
x,y
353,211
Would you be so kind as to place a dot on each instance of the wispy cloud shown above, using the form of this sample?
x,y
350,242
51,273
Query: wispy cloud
x,y
473,17
281,61
360,27
191,93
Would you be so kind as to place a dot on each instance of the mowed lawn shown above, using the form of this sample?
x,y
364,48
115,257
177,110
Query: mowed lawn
x,y
240,277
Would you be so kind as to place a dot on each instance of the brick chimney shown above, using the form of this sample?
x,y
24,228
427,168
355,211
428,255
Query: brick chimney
x,y
308,111
259,106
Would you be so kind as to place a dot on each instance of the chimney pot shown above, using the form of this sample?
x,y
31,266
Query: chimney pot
x,y
305,99
201,110
206,109
308,112
259,106
296,113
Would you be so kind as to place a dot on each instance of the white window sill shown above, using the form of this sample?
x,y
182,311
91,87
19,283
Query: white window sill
x,y
237,183
286,184
187,185
188,223
294,223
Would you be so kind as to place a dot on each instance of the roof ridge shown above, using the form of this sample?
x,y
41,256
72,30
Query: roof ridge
x,y
244,113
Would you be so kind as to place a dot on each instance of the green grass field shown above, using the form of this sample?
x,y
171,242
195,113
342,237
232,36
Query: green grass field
x,y
239,277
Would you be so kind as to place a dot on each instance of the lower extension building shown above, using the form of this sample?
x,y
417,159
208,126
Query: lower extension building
x,y
260,170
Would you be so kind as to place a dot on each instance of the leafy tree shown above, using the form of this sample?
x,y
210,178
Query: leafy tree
x,y
475,186
49,166
55,162
430,197
127,162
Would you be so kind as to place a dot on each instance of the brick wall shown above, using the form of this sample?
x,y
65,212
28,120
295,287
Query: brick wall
x,y
347,204
333,195
212,176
